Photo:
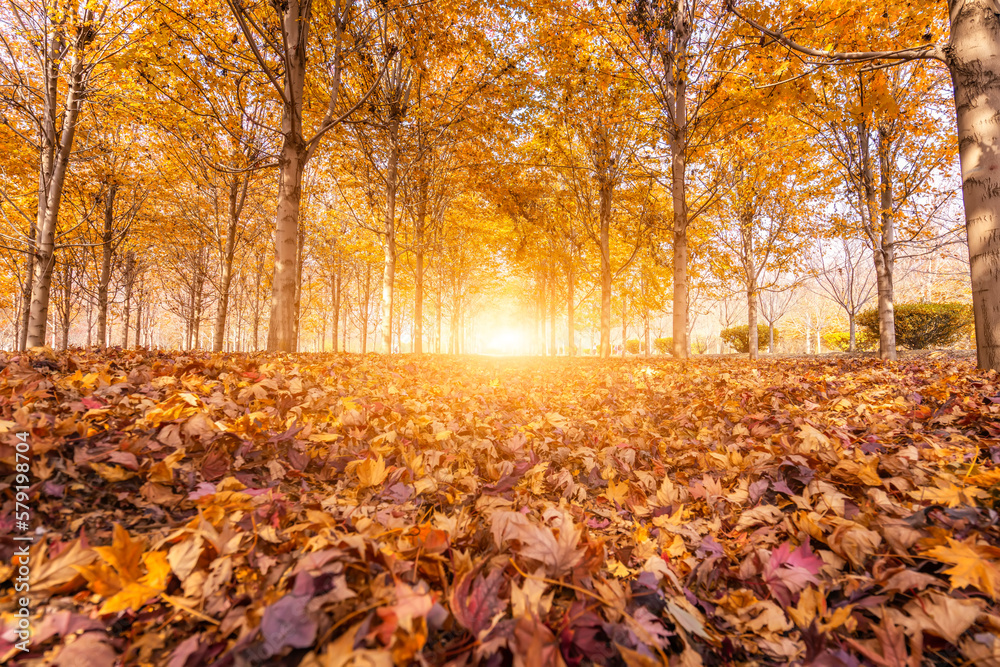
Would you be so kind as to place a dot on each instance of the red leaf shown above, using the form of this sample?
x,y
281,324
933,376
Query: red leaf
x,y
475,600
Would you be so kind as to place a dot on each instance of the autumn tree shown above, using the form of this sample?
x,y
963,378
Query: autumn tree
x,y
211,121
284,38
971,52
762,213
845,276
595,142
57,58
882,131
681,53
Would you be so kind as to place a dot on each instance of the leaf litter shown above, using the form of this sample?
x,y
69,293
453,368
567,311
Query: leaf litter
x,y
325,511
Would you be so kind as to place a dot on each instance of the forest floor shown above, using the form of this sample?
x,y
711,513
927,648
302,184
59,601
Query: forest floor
x,y
191,509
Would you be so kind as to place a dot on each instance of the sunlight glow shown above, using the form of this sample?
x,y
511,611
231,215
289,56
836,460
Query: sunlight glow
x,y
508,341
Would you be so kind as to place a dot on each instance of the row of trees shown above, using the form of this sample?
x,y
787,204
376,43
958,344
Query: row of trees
x,y
560,159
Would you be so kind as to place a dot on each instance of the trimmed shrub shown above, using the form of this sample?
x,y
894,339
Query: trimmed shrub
x,y
864,340
922,325
739,337
664,345
838,340
633,346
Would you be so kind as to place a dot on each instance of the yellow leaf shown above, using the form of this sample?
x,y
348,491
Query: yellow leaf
x,y
973,565
112,473
133,596
987,479
617,569
100,578
163,471
947,493
677,548
123,583
124,554
189,398
616,493
157,570
371,472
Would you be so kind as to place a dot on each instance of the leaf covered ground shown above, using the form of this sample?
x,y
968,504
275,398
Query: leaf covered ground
x,y
324,511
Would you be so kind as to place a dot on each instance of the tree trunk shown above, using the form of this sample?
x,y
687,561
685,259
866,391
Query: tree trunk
x,y
539,343
282,330
886,318
975,69
570,326
624,323
90,321
552,308
437,310
47,151
389,249
874,218
397,331
129,279
299,251
22,334
344,327
887,250
678,188
367,302
770,337
456,316
852,345
606,192
237,195
418,278
645,318
45,247
256,302
196,303
67,312
335,287
138,321
104,280
808,332
752,321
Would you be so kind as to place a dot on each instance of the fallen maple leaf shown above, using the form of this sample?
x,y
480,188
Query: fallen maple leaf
x,y
948,493
123,583
973,565
616,493
789,571
475,601
559,553
371,472
938,614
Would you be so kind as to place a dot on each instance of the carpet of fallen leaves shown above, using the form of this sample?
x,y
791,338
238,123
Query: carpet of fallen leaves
x,y
325,511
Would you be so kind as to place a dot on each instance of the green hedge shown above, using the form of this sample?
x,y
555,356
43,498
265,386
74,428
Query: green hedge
x,y
633,346
922,325
739,337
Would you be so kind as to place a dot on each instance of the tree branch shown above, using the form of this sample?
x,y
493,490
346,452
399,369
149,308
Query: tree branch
x,y
926,52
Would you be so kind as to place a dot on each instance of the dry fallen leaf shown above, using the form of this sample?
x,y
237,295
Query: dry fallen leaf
x,y
484,510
